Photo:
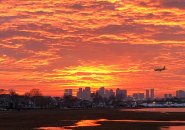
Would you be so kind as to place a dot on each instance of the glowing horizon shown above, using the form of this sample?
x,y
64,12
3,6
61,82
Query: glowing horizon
x,y
58,44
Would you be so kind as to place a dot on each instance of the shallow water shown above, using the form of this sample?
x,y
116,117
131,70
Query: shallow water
x,y
52,128
162,110
174,128
93,123
81,123
89,123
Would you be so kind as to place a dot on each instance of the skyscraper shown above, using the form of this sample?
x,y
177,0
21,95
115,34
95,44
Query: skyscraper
x,y
120,94
124,93
109,93
80,93
101,91
84,94
147,94
152,93
87,93
180,94
68,92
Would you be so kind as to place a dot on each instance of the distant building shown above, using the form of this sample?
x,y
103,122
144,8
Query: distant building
x,y
139,96
109,93
112,93
124,93
68,92
168,96
84,94
180,94
147,94
105,93
101,91
80,93
87,93
121,94
152,93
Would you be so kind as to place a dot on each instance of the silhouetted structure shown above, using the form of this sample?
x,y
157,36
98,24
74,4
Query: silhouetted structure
x,y
168,96
180,94
150,93
147,94
68,92
121,94
139,96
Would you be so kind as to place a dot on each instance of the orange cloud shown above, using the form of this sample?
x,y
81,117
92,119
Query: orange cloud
x,y
61,44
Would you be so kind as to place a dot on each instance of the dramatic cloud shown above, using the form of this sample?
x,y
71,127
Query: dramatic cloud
x,y
53,45
173,3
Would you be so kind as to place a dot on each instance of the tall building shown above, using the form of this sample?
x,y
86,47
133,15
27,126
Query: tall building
x,y
84,94
101,91
124,93
109,93
87,93
147,94
88,89
121,94
68,92
180,94
118,93
152,93
80,93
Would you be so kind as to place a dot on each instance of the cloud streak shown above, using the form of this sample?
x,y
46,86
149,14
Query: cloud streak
x,y
55,45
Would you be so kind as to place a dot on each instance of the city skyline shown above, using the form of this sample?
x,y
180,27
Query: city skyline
x,y
148,92
85,93
60,44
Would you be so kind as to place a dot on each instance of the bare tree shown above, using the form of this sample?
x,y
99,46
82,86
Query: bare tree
x,y
36,96
12,92
34,93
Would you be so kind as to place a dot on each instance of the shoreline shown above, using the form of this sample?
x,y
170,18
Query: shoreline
x,y
30,119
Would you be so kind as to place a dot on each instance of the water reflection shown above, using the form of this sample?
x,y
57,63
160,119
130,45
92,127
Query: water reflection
x,y
52,128
89,123
147,121
162,110
82,123
174,128
93,123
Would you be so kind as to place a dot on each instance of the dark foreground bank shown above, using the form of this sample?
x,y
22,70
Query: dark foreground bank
x,y
27,120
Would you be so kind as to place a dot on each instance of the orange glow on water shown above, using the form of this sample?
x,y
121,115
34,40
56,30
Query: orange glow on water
x,y
91,123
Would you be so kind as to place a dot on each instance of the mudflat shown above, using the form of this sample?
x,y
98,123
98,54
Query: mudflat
x,y
32,119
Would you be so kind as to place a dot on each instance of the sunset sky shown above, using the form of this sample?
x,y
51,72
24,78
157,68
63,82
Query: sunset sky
x,y
57,44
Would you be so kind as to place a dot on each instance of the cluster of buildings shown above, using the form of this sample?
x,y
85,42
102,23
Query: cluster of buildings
x,y
85,94
86,98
